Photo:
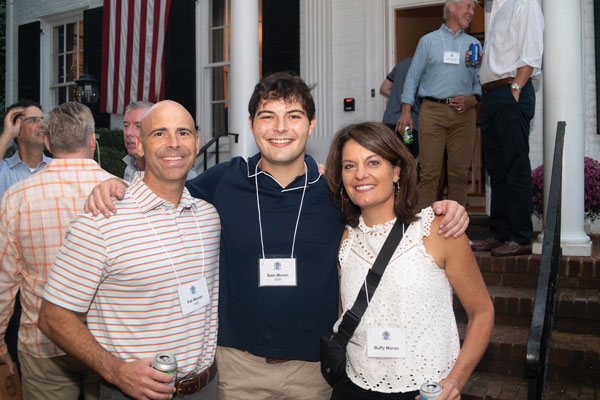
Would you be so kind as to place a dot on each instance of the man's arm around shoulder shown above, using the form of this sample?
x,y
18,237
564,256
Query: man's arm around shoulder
x,y
137,379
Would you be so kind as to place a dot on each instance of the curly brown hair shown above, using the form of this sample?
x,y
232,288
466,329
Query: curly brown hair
x,y
381,140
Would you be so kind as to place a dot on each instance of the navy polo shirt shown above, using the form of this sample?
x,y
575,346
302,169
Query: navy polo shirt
x,y
279,322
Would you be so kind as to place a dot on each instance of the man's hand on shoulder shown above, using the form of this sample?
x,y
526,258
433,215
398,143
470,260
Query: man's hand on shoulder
x,y
455,221
99,200
139,380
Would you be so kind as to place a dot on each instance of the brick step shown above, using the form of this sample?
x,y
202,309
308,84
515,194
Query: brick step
x,y
522,271
574,358
484,386
577,310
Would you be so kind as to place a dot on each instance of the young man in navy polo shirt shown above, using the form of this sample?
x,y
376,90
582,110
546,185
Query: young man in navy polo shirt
x,y
280,235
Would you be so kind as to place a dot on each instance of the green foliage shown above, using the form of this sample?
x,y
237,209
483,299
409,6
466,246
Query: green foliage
x,y
112,150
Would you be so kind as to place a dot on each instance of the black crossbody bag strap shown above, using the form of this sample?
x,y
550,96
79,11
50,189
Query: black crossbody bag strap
x,y
353,316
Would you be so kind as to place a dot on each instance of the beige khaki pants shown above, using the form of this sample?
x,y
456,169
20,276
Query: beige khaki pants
x,y
61,377
244,376
440,126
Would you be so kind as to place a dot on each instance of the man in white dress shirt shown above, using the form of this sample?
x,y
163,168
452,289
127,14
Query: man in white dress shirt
x,y
512,56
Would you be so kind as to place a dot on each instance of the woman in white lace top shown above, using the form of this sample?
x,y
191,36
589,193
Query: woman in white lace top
x,y
408,334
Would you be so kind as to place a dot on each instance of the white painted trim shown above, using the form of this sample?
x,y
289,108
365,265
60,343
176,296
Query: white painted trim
x,y
203,114
10,84
316,62
393,5
375,66
47,24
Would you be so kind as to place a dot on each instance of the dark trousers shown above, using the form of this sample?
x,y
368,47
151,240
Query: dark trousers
x,y
505,134
347,390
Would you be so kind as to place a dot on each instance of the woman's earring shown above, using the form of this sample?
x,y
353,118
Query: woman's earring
x,y
396,187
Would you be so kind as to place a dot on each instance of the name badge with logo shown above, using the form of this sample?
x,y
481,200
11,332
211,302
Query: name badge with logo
x,y
277,272
193,296
386,342
451,57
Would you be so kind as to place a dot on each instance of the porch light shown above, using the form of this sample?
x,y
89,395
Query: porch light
x,y
87,90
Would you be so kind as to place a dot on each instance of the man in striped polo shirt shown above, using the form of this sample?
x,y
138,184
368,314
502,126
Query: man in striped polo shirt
x,y
34,216
147,278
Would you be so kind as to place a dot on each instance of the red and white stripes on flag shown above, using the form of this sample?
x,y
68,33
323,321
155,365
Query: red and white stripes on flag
x,y
132,52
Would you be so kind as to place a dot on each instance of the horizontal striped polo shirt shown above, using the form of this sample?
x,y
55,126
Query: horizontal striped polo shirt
x,y
125,272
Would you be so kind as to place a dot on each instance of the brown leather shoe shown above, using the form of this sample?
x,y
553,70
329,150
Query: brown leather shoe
x,y
511,248
486,245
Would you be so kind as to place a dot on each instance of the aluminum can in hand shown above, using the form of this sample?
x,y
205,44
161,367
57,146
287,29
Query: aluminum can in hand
x,y
167,363
407,136
431,391
475,56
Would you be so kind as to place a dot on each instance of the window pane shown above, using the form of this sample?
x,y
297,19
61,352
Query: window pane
x,y
61,69
71,38
217,42
62,95
80,35
219,83
217,13
219,118
60,39
71,68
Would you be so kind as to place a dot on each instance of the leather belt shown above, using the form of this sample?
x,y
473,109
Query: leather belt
x,y
447,100
271,360
195,383
487,87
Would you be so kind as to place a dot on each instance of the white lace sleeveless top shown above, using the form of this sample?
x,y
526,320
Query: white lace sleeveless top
x,y
414,293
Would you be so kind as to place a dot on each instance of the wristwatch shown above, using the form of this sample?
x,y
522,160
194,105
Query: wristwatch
x,y
515,86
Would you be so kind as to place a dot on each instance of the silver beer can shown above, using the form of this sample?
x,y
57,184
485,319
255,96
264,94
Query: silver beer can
x,y
431,391
167,363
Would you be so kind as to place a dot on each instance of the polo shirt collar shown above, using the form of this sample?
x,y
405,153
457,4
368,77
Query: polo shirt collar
x,y
445,29
15,160
313,172
147,200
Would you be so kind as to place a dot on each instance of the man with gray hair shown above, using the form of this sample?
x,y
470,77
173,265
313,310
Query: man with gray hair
x,y
34,215
131,131
450,90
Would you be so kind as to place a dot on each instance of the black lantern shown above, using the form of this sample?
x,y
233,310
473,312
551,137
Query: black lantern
x,y
87,90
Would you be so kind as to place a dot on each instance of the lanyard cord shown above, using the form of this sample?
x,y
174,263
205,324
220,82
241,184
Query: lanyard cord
x,y
262,244
149,223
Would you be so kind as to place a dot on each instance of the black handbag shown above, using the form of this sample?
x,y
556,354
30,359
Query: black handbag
x,y
333,346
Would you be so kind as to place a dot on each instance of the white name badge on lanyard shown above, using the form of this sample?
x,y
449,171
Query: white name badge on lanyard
x,y
451,57
386,342
193,296
277,272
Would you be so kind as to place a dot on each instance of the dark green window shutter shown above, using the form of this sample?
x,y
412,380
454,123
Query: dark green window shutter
x,y
180,54
29,62
92,55
281,36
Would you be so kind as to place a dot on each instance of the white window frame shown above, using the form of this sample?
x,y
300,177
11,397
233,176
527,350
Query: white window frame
x,y
48,97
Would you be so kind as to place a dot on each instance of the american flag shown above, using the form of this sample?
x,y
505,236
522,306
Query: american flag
x,y
132,52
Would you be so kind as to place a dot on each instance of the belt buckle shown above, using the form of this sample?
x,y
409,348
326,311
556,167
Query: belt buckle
x,y
447,100
182,391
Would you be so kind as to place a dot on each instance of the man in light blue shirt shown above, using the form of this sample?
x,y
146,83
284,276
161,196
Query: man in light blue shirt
x,y
23,123
450,89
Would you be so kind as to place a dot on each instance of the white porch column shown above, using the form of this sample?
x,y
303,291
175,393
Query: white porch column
x,y
563,101
243,73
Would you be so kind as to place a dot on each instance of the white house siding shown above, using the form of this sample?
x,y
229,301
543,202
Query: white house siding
x,y
32,10
592,139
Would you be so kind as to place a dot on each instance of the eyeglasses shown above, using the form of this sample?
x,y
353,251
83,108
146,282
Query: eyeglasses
x,y
34,120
